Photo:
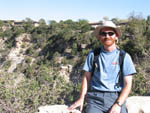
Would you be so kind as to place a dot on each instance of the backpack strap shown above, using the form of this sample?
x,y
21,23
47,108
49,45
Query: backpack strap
x,y
96,55
121,62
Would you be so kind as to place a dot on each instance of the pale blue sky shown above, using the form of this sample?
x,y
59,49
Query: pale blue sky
x,y
91,10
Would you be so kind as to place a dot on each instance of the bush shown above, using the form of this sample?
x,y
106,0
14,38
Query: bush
x,y
31,93
7,64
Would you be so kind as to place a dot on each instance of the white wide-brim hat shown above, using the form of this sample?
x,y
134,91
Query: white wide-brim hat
x,y
105,24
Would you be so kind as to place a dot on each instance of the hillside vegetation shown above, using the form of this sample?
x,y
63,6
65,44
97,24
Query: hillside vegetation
x,y
42,65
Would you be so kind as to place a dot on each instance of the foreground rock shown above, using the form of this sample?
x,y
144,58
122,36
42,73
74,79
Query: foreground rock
x,y
138,104
135,104
56,109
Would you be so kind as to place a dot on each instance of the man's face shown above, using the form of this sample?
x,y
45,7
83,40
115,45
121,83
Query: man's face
x,y
108,36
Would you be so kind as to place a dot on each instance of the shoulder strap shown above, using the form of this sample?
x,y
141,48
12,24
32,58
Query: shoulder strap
x,y
96,54
121,61
121,57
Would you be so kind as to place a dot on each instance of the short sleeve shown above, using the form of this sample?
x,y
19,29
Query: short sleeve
x,y
89,62
128,66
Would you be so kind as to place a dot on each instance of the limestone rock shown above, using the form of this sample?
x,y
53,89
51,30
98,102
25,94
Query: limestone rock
x,y
15,55
135,104
56,109
65,71
83,46
138,104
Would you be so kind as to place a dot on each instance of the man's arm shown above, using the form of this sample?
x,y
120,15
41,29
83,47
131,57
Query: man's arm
x,y
126,90
85,84
124,94
85,81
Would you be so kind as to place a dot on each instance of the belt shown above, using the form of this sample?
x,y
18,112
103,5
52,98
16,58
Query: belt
x,y
93,90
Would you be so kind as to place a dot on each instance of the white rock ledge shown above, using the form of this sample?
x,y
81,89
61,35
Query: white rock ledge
x,y
138,104
56,109
135,104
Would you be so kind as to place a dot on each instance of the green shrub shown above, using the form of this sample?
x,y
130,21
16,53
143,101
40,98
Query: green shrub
x,y
7,64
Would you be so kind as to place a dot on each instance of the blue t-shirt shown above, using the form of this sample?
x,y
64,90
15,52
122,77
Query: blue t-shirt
x,y
106,77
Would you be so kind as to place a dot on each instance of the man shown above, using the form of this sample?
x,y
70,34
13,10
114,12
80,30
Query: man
x,y
105,96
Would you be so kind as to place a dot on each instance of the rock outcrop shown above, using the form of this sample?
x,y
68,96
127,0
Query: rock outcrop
x,y
135,104
56,109
15,55
138,104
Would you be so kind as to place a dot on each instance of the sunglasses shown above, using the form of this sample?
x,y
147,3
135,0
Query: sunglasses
x,y
106,33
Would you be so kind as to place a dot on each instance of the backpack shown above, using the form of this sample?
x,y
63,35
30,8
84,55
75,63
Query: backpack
x,y
97,52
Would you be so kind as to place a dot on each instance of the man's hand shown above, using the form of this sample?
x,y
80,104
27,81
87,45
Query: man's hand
x,y
115,109
78,103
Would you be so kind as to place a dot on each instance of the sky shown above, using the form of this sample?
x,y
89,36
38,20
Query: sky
x,y
91,10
